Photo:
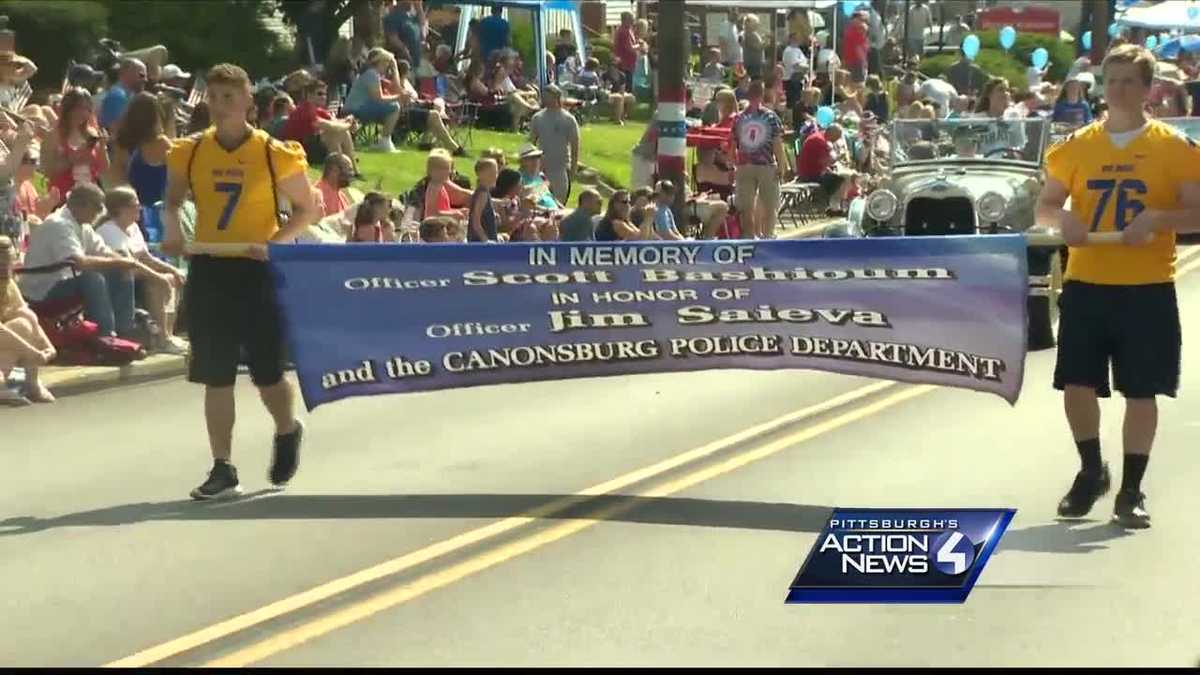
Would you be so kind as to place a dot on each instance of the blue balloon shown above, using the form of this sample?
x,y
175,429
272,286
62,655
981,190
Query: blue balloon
x,y
1008,37
825,116
970,46
1193,13
1087,40
1151,42
849,6
1040,58
1113,30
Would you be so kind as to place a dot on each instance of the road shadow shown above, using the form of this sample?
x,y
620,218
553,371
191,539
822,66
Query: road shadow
x,y
1062,536
1058,537
264,505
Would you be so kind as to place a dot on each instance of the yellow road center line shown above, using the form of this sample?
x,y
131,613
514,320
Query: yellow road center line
x,y
445,547
368,607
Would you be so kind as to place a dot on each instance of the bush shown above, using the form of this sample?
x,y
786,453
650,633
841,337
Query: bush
x,y
229,31
1011,65
52,32
993,61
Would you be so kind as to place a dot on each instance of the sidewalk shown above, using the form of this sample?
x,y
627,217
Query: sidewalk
x,y
67,380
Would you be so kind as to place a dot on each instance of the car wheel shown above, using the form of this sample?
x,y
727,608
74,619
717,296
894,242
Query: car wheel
x,y
1043,308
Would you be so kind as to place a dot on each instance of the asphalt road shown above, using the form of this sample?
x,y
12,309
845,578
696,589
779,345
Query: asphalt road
x,y
405,539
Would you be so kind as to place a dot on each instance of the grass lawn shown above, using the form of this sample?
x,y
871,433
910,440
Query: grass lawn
x,y
604,146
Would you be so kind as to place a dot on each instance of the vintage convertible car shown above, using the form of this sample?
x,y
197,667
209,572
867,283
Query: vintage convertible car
x,y
963,177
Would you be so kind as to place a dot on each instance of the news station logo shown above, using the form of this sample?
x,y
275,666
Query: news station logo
x,y
899,556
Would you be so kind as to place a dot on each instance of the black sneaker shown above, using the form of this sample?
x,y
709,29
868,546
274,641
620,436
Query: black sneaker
x,y
460,151
1130,510
222,483
286,457
1084,492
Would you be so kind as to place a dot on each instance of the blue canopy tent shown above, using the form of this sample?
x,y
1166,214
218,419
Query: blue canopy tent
x,y
539,8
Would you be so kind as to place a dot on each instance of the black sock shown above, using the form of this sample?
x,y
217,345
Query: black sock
x,y
1089,453
1135,468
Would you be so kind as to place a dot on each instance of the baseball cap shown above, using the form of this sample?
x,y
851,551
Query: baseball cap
x,y
174,72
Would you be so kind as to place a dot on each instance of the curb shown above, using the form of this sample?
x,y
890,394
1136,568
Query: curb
x,y
81,379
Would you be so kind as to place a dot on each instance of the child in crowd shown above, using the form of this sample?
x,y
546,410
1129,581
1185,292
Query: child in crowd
x,y
483,223
713,70
22,340
664,217
281,107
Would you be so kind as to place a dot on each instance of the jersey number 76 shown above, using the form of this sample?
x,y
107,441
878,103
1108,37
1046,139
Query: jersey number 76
x,y
1127,209
235,193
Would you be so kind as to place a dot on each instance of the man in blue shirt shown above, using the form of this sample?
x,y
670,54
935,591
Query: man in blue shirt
x,y
403,33
493,33
130,80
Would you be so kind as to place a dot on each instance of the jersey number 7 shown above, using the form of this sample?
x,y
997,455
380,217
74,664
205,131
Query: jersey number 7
x,y
235,193
1127,209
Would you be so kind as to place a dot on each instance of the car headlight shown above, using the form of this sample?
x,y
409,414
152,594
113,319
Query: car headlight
x,y
991,207
881,205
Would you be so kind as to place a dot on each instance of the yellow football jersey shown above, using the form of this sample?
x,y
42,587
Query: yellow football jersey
x,y
236,197
1110,186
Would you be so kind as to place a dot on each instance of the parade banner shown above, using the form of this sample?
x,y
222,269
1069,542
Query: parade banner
x,y
367,319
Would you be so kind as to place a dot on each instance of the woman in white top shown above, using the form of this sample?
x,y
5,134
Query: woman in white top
x,y
120,231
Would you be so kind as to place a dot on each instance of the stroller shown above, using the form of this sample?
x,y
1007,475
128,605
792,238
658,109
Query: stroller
x,y
77,340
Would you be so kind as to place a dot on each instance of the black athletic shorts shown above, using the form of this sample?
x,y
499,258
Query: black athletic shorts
x,y
315,150
231,306
1136,327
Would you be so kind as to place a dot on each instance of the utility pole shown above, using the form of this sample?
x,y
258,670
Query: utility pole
x,y
673,54
1101,18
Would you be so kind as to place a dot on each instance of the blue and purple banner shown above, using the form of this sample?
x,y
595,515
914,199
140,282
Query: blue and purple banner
x,y
375,319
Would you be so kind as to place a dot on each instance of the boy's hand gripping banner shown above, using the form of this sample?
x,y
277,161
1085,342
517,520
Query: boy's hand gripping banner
x,y
375,319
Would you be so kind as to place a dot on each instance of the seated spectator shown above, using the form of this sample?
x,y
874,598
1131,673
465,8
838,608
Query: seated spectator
x,y
425,117
817,164
617,223
714,70
122,235
504,199
641,211
372,222
664,216
714,173
314,127
536,182
565,50
523,103
139,157
30,206
131,79
439,230
367,102
494,112
706,208
76,153
443,197
335,178
580,224
22,340
12,224
532,222
483,224
282,107
106,288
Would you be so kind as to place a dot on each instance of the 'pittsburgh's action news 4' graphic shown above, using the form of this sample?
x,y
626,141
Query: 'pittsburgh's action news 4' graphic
x,y
899,556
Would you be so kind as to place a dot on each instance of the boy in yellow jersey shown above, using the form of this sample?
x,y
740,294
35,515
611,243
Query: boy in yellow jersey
x,y
1139,177
236,175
